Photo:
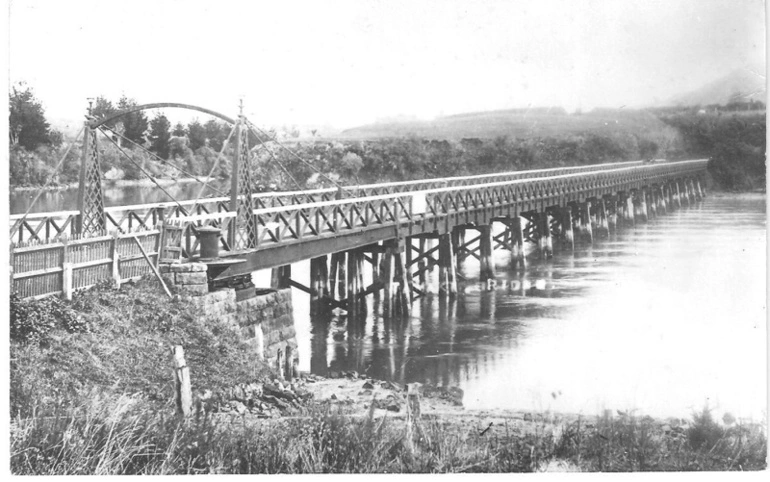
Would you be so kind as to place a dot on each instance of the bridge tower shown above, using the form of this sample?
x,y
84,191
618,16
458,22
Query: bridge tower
x,y
90,197
242,233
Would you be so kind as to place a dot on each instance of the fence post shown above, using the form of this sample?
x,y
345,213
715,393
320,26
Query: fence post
x,y
115,255
158,242
66,284
10,268
182,386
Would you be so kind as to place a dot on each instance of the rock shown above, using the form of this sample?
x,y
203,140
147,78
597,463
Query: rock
x,y
275,401
304,394
334,374
394,407
368,386
239,407
452,394
333,397
276,391
351,374
365,393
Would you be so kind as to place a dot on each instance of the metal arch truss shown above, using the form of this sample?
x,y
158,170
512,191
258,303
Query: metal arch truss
x,y
243,232
90,198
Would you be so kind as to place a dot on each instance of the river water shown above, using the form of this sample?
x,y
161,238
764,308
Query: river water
x,y
66,199
663,319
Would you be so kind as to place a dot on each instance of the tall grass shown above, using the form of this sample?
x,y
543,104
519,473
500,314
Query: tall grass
x,y
119,436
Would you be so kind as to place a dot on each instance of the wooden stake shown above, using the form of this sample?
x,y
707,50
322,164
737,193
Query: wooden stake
x,y
182,385
116,260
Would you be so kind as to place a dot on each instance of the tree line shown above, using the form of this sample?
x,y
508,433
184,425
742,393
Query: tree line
x,y
735,142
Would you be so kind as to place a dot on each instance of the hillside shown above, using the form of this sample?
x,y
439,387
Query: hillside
x,y
742,85
518,123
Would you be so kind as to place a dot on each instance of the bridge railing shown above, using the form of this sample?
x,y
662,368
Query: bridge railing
x,y
53,225
40,268
298,222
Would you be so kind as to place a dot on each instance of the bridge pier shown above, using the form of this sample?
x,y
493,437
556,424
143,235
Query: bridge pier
x,y
652,207
640,205
281,277
447,268
602,224
677,195
611,210
567,230
355,284
486,252
628,209
319,283
584,228
338,276
397,291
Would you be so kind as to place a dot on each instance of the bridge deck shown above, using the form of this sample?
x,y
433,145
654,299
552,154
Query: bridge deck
x,y
288,234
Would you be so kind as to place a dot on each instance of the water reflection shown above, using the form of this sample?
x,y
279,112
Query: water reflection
x,y
662,318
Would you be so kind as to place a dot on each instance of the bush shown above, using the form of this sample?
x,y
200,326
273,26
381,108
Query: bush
x,y
704,432
32,321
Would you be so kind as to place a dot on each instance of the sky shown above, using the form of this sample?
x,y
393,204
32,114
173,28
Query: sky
x,y
346,63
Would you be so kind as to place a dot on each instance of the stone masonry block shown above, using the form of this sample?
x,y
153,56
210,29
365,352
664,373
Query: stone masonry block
x,y
196,289
188,268
192,278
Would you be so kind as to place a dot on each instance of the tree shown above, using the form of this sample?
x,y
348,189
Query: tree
x,y
135,124
215,134
28,126
103,108
160,135
196,134
179,130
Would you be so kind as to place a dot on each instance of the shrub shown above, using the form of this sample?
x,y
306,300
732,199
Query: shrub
x,y
33,320
704,432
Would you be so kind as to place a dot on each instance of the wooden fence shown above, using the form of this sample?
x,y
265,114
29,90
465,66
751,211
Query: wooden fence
x,y
69,264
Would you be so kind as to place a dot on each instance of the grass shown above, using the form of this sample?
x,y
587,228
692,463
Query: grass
x,y
126,350
116,435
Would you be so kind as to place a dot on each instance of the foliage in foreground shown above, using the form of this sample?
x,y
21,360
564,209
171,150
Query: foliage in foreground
x,y
117,436
117,341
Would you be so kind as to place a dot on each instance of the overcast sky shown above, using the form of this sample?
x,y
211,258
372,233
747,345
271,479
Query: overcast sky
x,y
347,63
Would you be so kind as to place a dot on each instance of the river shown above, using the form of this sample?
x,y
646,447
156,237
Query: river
x,y
66,199
661,319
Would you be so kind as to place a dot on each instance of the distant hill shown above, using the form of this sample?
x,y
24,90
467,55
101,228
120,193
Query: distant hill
x,y
513,123
742,85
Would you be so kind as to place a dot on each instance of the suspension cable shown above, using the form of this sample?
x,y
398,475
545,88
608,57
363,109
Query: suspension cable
x,y
161,160
140,168
274,139
50,178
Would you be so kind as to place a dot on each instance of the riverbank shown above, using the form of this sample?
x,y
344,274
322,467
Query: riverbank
x,y
340,428
92,393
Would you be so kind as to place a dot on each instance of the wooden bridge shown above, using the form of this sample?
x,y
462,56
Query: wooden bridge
x,y
401,230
